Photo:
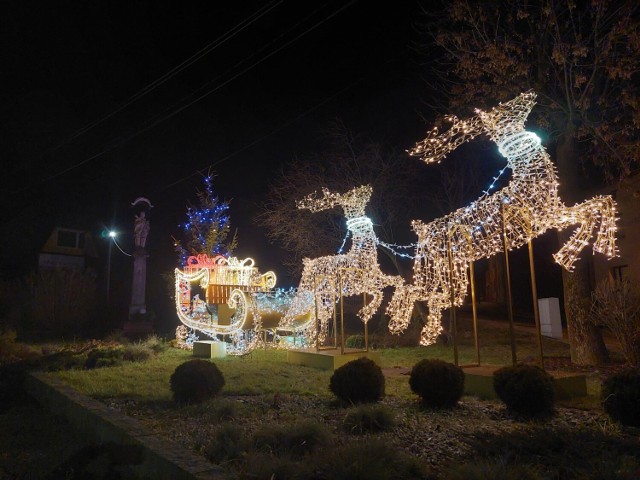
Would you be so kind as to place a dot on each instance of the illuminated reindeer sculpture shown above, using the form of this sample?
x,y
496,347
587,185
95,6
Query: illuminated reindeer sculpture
x,y
527,207
357,271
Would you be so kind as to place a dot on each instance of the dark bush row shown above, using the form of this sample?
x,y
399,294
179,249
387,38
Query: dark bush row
x,y
526,390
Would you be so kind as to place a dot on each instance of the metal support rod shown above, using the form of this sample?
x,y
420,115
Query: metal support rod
x,y
452,312
474,311
341,319
335,328
514,359
536,311
315,303
366,324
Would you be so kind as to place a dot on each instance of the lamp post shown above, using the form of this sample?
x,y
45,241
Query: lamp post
x,y
112,237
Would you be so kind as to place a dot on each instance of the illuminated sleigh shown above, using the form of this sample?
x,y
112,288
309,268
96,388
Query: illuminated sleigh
x,y
239,303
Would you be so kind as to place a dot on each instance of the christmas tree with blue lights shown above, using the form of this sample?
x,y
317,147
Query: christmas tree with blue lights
x,y
207,227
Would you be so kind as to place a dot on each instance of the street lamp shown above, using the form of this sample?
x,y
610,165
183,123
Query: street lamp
x,y
112,238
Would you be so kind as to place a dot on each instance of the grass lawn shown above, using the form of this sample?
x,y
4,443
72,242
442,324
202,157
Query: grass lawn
x,y
269,410
267,372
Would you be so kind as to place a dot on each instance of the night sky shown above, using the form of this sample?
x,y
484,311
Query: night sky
x,y
260,97
83,134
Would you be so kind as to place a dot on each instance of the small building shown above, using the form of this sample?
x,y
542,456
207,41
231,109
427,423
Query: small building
x,y
68,248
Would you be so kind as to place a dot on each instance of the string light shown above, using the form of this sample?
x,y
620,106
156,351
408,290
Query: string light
x,y
224,280
357,271
526,208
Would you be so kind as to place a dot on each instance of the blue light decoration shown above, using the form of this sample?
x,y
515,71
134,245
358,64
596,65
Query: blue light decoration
x,y
207,227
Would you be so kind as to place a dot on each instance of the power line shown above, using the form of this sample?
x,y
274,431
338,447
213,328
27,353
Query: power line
x,y
123,139
174,71
264,137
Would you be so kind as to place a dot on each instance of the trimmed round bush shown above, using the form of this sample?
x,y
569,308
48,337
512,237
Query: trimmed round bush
x,y
621,397
525,389
196,381
359,381
439,384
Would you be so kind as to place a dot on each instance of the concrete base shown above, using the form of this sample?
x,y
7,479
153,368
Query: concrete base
x,y
328,359
137,329
209,349
478,381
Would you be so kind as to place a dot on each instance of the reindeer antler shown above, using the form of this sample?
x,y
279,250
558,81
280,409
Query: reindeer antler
x,y
352,202
437,145
507,117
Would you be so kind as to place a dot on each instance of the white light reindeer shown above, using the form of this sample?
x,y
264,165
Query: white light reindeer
x,y
357,271
529,205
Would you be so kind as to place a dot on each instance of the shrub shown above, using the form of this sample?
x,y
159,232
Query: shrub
x,y
296,439
267,466
439,384
116,336
354,341
155,343
195,381
621,397
13,351
493,470
525,389
221,410
106,356
616,305
137,352
228,444
368,419
370,460
60,300
359,381
563,452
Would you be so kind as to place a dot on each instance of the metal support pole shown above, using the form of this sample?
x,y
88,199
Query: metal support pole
x,y
536,312
514,359
341,319
366,324
452,312
474,310
335,327
109,270
315,303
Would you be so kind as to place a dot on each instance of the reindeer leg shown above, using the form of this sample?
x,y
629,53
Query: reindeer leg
x,y
369,309
606,240
433,328
598,210
400,307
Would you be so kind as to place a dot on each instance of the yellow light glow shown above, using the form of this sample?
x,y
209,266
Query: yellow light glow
x,y
227,281
527,207
357,270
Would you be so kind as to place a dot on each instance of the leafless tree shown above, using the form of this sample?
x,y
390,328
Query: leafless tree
x,y
583,60
399,193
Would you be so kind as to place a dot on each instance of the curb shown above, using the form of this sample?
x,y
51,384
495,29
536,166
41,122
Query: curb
x,y
161,459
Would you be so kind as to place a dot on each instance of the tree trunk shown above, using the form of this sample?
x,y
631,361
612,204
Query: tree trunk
x,y
495,288
585,339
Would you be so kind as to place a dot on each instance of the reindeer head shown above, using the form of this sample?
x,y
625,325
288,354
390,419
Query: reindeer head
x,y
352,202
501,121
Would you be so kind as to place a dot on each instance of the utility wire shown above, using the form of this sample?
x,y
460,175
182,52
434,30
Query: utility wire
x,y
264,137
174,71
126,138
